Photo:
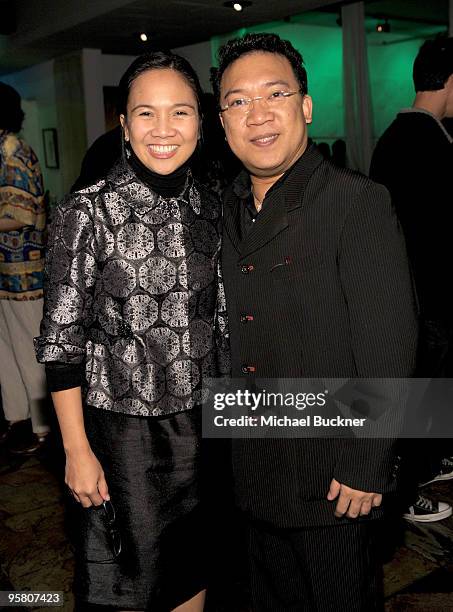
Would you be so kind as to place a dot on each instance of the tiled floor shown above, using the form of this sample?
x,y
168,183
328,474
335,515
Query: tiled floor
x,y
35,553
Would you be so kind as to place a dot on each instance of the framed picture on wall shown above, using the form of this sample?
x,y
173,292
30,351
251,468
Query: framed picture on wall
x,y
50,141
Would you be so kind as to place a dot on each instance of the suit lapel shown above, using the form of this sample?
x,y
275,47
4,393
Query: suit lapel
x,y
273,219
270,222
231,221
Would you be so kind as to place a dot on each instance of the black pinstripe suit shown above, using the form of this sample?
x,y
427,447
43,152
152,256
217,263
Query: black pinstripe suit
x,y
341,306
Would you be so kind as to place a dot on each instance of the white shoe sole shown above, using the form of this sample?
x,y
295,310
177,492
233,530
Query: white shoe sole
x,y
439,478
429,518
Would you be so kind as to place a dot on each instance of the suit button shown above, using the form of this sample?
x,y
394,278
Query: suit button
x,y
248,369
246,318
247,269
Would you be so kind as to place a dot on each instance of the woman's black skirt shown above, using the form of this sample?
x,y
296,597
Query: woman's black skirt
x,y
145,550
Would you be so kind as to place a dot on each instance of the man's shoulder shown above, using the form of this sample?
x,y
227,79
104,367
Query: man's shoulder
x,y
342,181
346,193
10,144
16,150
410,126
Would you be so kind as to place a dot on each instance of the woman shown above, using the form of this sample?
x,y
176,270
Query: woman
x,y
126,337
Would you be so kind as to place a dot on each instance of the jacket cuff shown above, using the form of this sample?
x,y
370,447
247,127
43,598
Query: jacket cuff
x,y
62,376
368,465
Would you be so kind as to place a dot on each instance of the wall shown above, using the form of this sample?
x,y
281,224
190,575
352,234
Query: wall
x,y
113,68
390,67
199,55
71,114
92,71
390,59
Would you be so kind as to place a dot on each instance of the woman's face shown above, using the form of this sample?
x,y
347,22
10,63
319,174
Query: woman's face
x,y
162,122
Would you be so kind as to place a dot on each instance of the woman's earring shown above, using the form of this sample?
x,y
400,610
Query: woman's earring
x,y
126,148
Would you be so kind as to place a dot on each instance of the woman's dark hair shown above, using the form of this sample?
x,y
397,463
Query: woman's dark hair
x,y
157,60
251,43
11,113
433,64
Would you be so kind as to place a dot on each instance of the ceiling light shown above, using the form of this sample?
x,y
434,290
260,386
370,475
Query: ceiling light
x,y
383,26
143,37
238,6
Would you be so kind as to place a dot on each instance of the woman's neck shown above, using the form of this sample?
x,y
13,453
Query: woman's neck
x,y
166,185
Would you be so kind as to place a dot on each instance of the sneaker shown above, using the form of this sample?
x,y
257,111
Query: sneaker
x,y
446,472
426,510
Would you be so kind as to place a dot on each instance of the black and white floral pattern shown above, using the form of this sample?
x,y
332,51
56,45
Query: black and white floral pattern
x,y
132,291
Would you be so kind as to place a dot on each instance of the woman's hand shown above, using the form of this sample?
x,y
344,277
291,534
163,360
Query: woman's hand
x,y
85,478
84,474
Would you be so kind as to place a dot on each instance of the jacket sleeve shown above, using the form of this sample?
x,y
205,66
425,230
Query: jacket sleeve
x,y
378,291
69,281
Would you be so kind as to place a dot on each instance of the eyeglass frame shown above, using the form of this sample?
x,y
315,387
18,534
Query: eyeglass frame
x,y
112,530
286,94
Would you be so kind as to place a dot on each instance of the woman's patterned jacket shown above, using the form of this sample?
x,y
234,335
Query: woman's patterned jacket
x,y
131,290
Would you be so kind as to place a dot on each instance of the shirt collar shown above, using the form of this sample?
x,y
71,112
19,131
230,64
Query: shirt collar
x,y
123,179
295,178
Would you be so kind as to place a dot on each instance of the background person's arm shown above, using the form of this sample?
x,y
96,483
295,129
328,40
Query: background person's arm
x,y
10,225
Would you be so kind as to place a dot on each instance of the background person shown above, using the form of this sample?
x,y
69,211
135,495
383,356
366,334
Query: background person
x,y
22,236
414,160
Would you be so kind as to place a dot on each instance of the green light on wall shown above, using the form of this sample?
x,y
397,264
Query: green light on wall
x,y
319,39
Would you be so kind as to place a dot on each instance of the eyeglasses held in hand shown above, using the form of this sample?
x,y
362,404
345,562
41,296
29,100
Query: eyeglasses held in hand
x,y
112,529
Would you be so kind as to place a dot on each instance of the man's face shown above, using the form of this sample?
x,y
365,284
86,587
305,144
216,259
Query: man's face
x,y
267,138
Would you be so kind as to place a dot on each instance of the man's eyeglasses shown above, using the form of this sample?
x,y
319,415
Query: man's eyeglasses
x,y
242,106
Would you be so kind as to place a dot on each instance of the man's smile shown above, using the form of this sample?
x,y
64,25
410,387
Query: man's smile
x,y
265,140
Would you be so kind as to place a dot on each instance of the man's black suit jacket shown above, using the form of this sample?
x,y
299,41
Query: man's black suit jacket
x,y
324,274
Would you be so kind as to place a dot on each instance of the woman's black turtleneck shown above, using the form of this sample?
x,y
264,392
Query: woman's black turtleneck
x,y
165,185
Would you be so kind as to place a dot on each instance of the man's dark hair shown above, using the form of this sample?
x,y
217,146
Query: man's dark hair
x,y
11,113
157,60
433,64
251,43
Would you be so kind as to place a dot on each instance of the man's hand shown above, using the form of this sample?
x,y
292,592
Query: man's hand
x,y
85,478
351,502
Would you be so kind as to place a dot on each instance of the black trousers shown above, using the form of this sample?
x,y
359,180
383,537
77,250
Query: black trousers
x,y
319,569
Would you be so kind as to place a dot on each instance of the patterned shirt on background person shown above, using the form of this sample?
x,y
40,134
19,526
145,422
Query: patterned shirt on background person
x,y
21,199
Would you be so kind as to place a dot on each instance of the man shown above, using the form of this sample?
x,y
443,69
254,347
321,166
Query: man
x,y
414,160
317,285
22,225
